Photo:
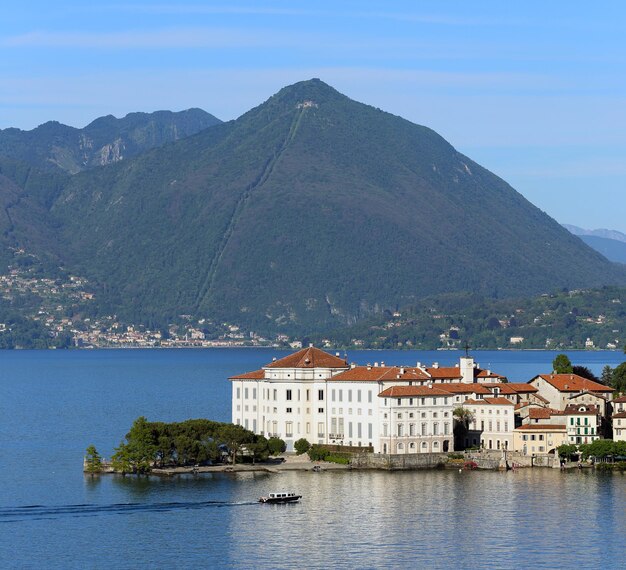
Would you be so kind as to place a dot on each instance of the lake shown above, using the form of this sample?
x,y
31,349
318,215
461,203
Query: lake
x,y
55,403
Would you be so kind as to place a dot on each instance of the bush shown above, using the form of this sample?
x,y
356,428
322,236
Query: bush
x,y
318,453
340,458
276,445
301,446
455,456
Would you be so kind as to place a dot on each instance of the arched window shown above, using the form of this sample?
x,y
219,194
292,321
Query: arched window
x,y
400,447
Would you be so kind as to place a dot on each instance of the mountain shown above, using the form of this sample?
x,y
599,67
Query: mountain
x,y
614,250
53,146
602,233
308,211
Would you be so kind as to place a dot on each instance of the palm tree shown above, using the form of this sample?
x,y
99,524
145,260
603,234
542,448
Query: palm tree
x,y
463,418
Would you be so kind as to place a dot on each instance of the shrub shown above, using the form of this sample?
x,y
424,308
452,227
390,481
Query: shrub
x,y
455,456
301,446
276,445
341,459
318,453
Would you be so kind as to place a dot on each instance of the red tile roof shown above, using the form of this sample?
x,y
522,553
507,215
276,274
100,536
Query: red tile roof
x,y
413,391
309,358
379,374
451,372
490,401
542,413
573,410
516,388
460,388
620,400
542,427
619,415
573,383
256,375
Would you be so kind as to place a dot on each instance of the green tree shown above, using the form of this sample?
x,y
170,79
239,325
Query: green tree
x,y
618,378
276,446
562,364
463,418
585,373
301,446
567,451
234,437
93,461
140,451
607,376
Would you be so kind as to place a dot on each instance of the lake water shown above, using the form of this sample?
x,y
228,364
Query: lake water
x,y
55,403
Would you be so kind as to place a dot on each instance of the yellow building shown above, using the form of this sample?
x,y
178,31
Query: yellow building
x,y
539,439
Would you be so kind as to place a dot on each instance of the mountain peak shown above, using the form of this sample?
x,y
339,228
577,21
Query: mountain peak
x,y
314,91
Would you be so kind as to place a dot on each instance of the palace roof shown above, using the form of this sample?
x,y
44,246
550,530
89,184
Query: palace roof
x,y
310,357
256,375
413,391
380,374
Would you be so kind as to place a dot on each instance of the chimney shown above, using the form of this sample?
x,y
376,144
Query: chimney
x,y
382,363
401,370
337,354
435,364
353,365
273,359
375,364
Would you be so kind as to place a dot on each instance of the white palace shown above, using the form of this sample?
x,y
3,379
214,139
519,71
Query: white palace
x,y
318,396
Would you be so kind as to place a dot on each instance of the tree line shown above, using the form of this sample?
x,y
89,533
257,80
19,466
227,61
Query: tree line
x,y
193,442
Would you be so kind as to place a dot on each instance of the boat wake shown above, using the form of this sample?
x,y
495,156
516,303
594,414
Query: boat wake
x,y
45,512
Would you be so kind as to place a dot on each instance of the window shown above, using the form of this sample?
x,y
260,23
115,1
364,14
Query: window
x,y
400,416
341,396
446,428
288,394
254,393
349,395
308,395
369,396
333,426
349,429
288,429
275,394
320,395
358,430
540,437
410,401
411,429
320,429
320,410
238,393
358,395
400,430
424,428
289,410
399,402
370,430
436,428
245,393
332,395
384,430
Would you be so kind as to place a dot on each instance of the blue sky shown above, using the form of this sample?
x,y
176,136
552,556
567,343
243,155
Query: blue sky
x,y
535,91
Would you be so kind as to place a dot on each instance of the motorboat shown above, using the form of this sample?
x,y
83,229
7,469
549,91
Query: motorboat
x,y
280,498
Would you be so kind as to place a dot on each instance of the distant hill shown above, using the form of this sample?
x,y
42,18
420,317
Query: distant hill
x,y
612,249
54,146
602,233
308,211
